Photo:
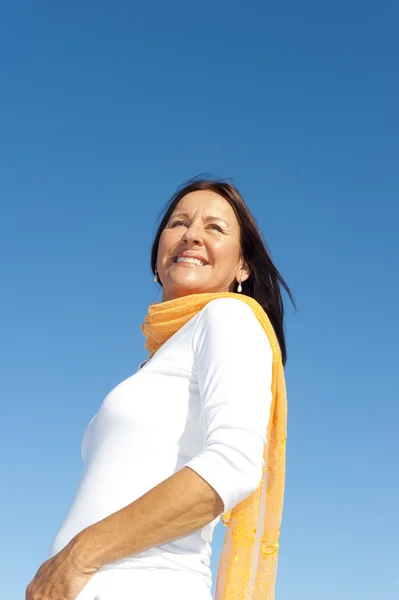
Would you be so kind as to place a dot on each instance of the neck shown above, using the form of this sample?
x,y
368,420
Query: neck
x,y
170,295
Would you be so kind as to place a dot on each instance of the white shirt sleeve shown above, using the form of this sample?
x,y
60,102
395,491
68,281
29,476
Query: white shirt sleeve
x,y
233,359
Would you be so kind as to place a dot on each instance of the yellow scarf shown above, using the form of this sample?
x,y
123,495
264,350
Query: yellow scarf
x,y
248,563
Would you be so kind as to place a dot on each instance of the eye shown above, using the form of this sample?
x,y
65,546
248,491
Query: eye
x,y
217,227
179,223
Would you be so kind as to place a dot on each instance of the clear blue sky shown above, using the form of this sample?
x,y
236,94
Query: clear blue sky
x,y
106,107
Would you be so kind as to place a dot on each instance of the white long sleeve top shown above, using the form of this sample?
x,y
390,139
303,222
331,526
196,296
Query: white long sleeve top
x,y
202,401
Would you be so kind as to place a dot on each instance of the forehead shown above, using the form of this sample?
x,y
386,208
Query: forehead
x,y
205,203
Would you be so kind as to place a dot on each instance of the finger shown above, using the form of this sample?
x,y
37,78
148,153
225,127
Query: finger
x,y
28,592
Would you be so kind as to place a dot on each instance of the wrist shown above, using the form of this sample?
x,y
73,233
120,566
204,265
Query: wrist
x,y
81,552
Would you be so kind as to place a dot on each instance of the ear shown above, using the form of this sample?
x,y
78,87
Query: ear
x,y
243,271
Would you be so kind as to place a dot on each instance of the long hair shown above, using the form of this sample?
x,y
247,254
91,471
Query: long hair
x,y
265,282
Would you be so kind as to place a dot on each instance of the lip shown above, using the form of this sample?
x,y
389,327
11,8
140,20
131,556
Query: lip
x,y
188,254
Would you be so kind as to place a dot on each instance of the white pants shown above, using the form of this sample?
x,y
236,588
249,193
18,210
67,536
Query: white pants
x,y
145,584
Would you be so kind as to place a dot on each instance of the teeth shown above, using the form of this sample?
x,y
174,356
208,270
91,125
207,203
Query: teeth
x,y
195,261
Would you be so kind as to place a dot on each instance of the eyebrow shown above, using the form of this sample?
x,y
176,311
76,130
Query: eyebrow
x,y
206,219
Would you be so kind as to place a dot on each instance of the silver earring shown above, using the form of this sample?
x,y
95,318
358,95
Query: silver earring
x,y
239,288
155,276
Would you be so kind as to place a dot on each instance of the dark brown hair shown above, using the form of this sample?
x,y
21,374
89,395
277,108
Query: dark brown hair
x,y
265,282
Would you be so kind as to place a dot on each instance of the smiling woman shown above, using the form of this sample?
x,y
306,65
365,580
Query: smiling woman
x,y
198,432
199,248
209,220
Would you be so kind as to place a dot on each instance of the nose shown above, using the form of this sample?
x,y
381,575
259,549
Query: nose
x,y
193,234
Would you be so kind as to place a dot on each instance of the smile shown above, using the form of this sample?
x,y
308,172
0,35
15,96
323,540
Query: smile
x,y
189,259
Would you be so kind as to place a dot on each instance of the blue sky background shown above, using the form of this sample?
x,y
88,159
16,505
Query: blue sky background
x,y
106,107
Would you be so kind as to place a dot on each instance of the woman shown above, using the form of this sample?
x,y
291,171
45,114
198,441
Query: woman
x,y
197,431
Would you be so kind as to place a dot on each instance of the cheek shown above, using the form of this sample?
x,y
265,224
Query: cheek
x,y
163,245
166,244
227,254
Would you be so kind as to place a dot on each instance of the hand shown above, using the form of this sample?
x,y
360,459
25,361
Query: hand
x,y
60,577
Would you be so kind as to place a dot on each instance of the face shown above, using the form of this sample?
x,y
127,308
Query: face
x,y
199,250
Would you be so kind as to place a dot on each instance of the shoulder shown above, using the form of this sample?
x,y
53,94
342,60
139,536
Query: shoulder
x,y
228,311
228,339
227,308
229,321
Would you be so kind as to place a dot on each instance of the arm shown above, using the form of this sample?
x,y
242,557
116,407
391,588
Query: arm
x,y
179,505
176,507
233,362
234,368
